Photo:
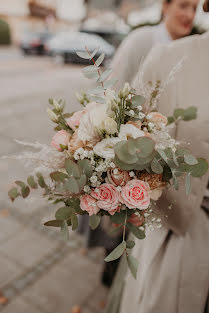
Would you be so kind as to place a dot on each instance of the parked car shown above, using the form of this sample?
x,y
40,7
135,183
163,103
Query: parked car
x,y
65,45
33,42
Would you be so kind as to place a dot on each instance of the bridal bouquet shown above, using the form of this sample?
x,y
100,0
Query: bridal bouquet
x,y
114,157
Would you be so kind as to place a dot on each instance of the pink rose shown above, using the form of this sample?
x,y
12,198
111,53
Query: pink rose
x,y
61,138
136,194
157,118
89,204
119,179
108,198
74,120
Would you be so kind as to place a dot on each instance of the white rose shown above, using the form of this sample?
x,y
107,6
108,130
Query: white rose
x,y
105,148
128,130
109,125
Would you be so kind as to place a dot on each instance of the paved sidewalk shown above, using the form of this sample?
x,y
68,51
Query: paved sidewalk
x,y
40,273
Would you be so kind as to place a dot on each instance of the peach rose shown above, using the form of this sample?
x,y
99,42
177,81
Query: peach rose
x,y
137,124
157,118
119,179
89,204
61,138
136,194
75,143
74,120
108,198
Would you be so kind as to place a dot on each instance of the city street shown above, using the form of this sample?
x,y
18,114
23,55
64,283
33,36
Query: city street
x,y
40,273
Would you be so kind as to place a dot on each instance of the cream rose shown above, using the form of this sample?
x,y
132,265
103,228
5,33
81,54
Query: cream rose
x,y
118,177
107,198
136,195
129,131
105,148
109,125
89,204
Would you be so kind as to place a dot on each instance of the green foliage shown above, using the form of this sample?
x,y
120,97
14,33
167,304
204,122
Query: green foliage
x,y
72,168
94,221
134,154
31,182
86,167
13,193
116,253
58,176
130,244
183,114
65,231
133,265
137,101
140,234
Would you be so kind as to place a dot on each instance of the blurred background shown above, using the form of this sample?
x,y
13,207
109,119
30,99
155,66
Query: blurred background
x,y
39,272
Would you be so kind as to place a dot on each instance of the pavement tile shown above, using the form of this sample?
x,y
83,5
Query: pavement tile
x,y
19,305
27,247
67,284
8,270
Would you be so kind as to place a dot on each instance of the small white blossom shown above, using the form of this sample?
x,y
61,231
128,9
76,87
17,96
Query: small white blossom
x,y
139,107
153,219
86,188
96,190
119,188
141,228
112,165
115,171
131,112
93,179
158,220
131,174
151,125
159,226
141,115
146,214
85,154
145,129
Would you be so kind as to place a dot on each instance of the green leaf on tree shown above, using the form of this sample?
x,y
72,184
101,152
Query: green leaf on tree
x,y
140,234
94,221
32,183
133,265
65,230
13,193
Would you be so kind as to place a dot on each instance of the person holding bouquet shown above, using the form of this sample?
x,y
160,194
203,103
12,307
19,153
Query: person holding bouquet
x,y
173,273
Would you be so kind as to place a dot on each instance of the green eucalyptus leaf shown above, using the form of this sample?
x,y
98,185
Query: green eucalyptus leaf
x,y
13,193
145,146
179,113
58,176
86,167
119,217
82,182
74,221
156,166
188,183
122,152
100,59
72,186
190,159
65,231
97,99
190,114
130,244
94,75
133,265
110,83
72,168
32,183
175,181
105,75
171,120
94,221
122,165
20,183
137,101
84,55
41,180
25,191
163,155
140,234
116,253
63,213
54,223
199,169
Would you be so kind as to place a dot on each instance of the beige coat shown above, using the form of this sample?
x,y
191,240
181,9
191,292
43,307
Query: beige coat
x,y
173,274
134,50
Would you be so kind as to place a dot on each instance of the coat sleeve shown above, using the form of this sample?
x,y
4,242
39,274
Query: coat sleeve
x,y
130,54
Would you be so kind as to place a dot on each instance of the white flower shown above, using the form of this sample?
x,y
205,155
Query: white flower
x,y
126,90
86,189
128,130
139,107
141,228
131,174
91,121
151,125
85,153
119,188
115,171
109,125
141,115
105,148
131,112
93,179
53,117
112,165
